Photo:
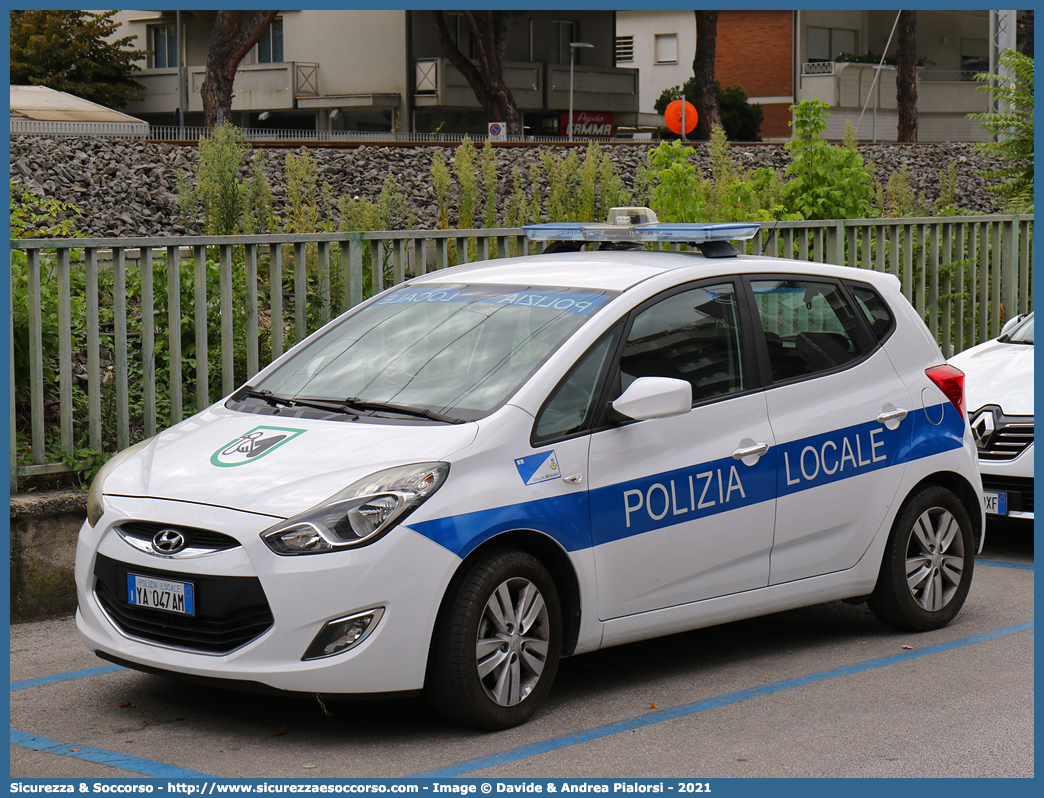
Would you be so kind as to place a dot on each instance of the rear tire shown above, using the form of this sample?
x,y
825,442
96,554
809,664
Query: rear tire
x,y
496,647
928,563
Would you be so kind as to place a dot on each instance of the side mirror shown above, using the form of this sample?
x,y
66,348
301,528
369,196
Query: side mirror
x,y
653,397
1011,324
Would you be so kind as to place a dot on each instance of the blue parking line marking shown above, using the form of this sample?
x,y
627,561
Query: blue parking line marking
x,y
1002,564
135,764
661,715
25,684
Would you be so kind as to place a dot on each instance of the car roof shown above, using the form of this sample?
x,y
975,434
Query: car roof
x,y
618,270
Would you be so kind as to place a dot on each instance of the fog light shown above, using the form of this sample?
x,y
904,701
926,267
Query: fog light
x,y
342,634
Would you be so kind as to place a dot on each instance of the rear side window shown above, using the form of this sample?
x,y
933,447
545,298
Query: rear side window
x,y
875,311
808,327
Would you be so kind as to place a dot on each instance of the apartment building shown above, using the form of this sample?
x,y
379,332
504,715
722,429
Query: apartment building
x,y
378,70
782,57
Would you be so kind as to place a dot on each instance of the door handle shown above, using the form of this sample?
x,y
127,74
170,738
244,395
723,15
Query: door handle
x,y
892,418
754,451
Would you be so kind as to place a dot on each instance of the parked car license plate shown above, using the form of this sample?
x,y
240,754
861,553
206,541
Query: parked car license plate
x,y
161,594
996,503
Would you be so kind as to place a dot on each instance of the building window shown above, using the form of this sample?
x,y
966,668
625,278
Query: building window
x,y
975,57
270,46
163,41
624,48
562,33
826,44
460,32
666,48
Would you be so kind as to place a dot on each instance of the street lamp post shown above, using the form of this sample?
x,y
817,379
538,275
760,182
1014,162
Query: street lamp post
x,y
572,58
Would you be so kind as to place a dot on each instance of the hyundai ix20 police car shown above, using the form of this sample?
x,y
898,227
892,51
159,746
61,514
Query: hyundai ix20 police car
x,y
490,467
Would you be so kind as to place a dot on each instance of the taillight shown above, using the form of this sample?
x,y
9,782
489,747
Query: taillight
x,y
950,380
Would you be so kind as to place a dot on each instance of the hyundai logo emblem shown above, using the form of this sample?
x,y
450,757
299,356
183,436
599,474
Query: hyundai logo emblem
x,y
168,541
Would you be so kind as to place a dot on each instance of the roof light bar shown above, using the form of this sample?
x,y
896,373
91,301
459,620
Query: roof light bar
x,y
640,225
696,233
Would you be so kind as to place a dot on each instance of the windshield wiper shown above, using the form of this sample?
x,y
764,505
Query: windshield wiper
x,y
277,401
406,410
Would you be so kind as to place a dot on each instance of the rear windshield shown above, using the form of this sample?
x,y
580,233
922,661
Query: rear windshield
x,y
458,350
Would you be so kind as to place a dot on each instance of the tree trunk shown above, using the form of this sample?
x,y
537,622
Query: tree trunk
x,y
706,101
489,37
906,76
234,33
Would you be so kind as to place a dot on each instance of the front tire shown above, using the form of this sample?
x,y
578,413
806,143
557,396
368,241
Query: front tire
x,y
928,563
496,647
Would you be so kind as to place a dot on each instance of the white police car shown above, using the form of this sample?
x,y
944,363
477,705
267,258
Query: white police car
x,y
999,384
493,466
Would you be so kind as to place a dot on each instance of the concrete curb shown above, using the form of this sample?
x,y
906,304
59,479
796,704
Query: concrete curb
x,y
44,527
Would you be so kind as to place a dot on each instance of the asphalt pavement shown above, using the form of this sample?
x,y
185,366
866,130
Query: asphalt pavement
x,y
825,691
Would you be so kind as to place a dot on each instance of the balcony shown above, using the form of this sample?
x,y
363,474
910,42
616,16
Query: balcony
x,y
944,100
257,87
535,86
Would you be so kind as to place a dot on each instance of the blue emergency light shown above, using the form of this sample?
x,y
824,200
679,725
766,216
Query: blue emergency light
x,y
640,226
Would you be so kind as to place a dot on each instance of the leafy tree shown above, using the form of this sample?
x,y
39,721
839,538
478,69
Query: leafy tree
x,y
740,119
489,33
706,101
234,33
1012,128
68,51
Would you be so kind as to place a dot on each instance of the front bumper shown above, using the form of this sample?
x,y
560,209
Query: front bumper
x,y
403,572
1013,477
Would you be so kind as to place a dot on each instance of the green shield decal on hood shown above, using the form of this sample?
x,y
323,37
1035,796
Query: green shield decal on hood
x,y
252,445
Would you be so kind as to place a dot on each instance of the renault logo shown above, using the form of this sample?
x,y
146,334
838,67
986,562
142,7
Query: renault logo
x,y
983,425
168,541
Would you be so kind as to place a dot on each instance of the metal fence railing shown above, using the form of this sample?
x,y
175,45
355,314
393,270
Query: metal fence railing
x,y
113,339
145,131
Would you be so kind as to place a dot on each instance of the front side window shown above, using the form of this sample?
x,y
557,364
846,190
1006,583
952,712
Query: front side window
x,y
164,45
693,336
270,46
572,404
808,326
457,350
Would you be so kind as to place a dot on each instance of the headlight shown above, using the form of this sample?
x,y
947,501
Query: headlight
x,y
359,514
95,506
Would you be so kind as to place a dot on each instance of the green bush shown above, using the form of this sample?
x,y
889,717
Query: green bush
x,y
826,181
741,119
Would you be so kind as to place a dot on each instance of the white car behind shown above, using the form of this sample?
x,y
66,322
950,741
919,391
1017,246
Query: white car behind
x,y
999,391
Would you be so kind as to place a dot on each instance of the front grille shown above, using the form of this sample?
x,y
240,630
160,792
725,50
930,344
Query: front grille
x,y
1008,442
1019,490
194,538
230,610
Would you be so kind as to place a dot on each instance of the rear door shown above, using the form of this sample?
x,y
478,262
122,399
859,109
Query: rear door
x,y
838,411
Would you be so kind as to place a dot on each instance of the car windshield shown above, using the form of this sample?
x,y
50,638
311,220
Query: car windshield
x,y
1023,334
455,350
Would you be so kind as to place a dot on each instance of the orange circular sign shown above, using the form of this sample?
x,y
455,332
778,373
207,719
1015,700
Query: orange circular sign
x,y
673,116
